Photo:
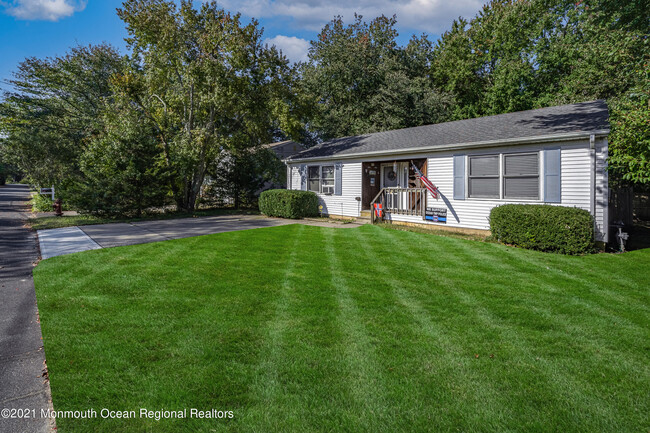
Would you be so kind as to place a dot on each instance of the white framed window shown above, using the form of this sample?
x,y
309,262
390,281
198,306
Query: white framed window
x,y
508,176
521,176
327,179
483,176
320,178
313,178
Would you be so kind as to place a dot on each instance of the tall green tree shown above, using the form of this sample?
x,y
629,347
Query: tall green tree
x,y
54,110
123,169
209,85
242,175
629,149
517,55
359,80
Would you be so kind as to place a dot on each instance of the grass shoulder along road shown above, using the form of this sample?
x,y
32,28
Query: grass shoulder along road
x,y
299,328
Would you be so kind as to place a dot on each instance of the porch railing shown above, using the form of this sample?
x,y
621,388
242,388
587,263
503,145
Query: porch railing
x,y
400,201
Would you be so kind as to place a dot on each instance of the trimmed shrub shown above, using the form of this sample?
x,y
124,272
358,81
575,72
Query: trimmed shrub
x,y
287,203
557,229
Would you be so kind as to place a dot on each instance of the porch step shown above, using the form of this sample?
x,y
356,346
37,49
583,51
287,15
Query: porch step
x,y
364,217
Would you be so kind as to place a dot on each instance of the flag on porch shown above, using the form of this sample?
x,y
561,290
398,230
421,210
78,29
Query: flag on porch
x,y
426,182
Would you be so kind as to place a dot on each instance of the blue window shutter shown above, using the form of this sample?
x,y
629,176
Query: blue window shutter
x,y
338,178
552,176
459,177
303,177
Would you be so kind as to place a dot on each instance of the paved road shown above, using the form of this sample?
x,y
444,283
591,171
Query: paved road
x,y
22,359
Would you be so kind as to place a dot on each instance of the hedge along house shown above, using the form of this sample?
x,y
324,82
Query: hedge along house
x,y
553,155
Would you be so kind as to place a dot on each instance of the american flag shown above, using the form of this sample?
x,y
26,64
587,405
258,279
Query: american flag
x,y
427,183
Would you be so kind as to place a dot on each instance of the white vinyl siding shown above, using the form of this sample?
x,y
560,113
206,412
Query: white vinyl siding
x,y
344,204
575,179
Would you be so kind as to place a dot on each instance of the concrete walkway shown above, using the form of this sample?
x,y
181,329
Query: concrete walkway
x,y
23,383
56,242
64,241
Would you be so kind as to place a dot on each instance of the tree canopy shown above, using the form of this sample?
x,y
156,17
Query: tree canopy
x,y
199,94
206,83
54,111
360,80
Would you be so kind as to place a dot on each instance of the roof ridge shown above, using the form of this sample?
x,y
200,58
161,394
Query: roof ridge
x,y
553,120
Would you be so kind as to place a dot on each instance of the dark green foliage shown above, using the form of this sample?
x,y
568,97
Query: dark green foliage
x,y
209,85
238,177
360,80
557,229
123,168
285,203
629,149
200,82
519,55
54,110
41,203
3,173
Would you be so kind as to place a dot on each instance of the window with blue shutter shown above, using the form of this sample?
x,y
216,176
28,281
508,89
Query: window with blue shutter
x,y
552,176
459,177
303,177
338,178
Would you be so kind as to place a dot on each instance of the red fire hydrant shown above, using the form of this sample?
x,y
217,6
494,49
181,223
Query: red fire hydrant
x,y
57,207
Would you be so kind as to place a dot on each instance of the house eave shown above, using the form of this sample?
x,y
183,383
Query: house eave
x,y
551,138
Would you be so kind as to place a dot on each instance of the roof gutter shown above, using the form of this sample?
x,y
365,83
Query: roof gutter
x,y
456,146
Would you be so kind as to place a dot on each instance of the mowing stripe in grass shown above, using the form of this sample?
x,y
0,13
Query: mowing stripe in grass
x,y
460,294
381,313
578,411
363,371
267,387
586,267
542,288
436,349
483,264
302,328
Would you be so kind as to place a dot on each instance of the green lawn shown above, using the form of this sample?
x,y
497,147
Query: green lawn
x,y
299,328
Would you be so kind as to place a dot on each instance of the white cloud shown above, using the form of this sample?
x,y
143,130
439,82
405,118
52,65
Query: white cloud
x,y
431,16
48,10
294,48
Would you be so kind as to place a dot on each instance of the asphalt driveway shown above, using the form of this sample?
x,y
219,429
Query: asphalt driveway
x,y
113,235
56,242
23,383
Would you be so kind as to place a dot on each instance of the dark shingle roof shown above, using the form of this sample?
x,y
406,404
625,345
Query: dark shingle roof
x,y
584,117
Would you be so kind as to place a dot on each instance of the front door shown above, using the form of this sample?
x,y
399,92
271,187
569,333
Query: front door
x,y
388,176
395,179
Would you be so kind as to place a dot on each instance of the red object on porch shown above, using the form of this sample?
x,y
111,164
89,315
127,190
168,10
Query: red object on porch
x,y
378,210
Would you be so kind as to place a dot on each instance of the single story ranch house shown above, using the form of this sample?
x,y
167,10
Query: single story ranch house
x,y
553,155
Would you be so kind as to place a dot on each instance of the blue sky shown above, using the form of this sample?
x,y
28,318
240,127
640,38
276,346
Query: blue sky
x,y
44,28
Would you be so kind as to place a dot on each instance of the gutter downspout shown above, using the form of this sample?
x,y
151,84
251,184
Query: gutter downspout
x,y
592,150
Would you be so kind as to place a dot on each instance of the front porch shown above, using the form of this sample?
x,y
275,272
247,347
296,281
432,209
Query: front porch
x,y
399,176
